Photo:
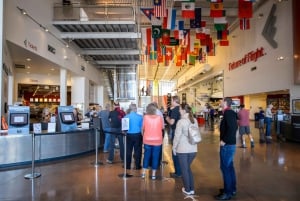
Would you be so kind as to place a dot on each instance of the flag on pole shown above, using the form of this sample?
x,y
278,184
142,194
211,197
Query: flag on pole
x,y
188,10
160,8
148,12
171,22
245,9
244,23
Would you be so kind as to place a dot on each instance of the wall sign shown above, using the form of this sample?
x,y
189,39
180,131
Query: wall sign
x,y
250,56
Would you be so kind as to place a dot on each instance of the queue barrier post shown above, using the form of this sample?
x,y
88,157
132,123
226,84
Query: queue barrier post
x,y
125,175
33,174
97,127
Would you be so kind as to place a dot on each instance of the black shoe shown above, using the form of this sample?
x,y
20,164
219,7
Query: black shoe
x,y
222,196
221,190
138,168
173,175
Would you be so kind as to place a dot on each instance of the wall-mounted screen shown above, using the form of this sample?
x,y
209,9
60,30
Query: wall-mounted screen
x,y
67,117
18,119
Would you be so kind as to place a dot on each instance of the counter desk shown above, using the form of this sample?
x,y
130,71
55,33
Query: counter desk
x,y
290,131
17,149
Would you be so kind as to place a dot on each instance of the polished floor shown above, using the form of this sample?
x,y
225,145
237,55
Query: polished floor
x,y
268,172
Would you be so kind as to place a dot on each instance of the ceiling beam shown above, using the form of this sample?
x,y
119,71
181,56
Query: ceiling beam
x,y
110,52
93,22
99,35
117,62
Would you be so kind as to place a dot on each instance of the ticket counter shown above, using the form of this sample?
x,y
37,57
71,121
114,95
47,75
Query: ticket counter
x,y
17,149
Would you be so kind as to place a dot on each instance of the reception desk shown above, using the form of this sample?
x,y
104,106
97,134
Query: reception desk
x,y
289,131
17,149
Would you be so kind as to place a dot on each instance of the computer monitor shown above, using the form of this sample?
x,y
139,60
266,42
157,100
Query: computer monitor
x,y
67,117
18,119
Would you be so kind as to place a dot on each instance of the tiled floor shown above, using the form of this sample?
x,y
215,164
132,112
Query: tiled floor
x,y
265,173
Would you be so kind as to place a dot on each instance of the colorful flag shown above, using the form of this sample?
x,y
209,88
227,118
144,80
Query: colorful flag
x,y
148,12
160,8
217,13
165,37
196,23
179,25
244,23
146,36
188,10
192,59
169,53
156,31
224,42
171,22
245,9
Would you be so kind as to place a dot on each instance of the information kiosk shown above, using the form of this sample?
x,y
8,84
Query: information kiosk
x,y
18,120
66,119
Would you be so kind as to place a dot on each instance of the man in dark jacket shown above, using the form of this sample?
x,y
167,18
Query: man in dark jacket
x,y
228,129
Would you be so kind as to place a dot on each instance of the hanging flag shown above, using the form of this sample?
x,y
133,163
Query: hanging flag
x,y
224,42
171,22
196,23
222,35
179,25
156,31
244,23
146,36
192,59
188,10
245,9
169,53
165,37
153,55
160,8
148,12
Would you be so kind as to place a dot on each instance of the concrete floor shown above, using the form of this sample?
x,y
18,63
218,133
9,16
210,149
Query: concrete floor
x,y
268,172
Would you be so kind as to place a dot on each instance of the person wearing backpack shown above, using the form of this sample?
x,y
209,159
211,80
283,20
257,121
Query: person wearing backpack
x,y
183,149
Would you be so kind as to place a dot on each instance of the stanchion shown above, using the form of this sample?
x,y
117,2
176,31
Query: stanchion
x,y
163,163
125,174
33,174
96,163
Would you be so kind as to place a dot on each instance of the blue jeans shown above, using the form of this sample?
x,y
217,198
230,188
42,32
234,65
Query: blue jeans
x,y
185,161
175,157
151,152
268,126
117,133
226,164
107,139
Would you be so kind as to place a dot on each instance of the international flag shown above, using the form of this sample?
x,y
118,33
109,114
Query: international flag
x,y
192,59
169,53
146,36
148,12
222,35
188,10
196,23
245,9
153,55
224,42
244,23
156,31
165,37
160,9
171,19
179,25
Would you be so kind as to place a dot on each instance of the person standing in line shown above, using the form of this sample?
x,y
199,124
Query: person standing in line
x,y
268,119
244,126
172,121
134,137
261,125
185,151
115,118
228,128
104,115
152,139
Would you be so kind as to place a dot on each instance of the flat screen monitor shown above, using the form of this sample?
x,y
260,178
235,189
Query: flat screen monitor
x,y
67,117
18,119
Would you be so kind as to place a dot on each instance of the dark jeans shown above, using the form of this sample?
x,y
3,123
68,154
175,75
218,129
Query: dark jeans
x,y
226,164
134,142
185,161
175,157
116,133
268,126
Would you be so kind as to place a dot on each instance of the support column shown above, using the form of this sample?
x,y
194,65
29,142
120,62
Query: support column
x,y
63,87
10,97
1,57
80,93
296,39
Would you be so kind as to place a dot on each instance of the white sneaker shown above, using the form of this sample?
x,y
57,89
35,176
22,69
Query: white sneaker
x,y
187,193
